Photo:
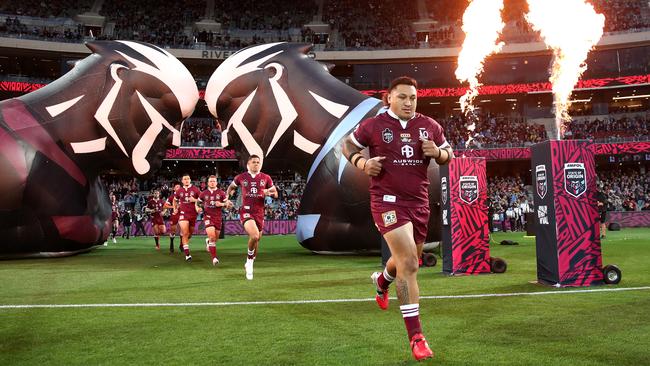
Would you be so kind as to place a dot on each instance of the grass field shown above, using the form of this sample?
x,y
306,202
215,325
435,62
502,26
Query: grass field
x,y
584,328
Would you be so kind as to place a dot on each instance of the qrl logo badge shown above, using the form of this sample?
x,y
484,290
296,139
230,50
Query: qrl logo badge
x,y
387,136
443,190
468,187
389,218
540,176
575,179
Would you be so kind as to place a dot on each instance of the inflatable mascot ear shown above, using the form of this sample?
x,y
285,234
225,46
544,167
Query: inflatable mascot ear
x,y
284,106
119,108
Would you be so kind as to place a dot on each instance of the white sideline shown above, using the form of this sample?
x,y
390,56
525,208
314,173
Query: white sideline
x,y
298,302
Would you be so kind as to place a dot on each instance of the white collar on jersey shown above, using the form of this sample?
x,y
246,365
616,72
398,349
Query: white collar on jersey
x,y
188,187
401,121
253,174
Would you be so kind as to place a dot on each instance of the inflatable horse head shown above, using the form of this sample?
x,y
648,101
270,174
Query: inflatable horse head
x,y
119,108
278,103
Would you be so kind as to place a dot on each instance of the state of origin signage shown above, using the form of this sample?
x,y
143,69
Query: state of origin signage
x,y
567,230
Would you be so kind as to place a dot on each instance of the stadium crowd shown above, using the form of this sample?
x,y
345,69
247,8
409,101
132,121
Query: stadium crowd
x,y
627,190
491,130
201,132
359,24
612,127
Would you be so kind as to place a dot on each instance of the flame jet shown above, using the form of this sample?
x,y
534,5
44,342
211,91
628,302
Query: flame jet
x,y
571,28
482,25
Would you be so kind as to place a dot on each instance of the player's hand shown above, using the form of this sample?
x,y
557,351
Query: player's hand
x,y
228,204
373,166
199,210
429,148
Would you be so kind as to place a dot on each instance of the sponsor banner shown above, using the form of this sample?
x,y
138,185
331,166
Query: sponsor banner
x,y
200,154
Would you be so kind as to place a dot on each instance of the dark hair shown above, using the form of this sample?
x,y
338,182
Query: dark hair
x,y
212,176
253,157
402,80
186,175
176,184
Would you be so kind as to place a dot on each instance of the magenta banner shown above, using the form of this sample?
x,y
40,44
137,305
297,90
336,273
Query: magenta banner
x,y
231,227
200,154
630,218
514,153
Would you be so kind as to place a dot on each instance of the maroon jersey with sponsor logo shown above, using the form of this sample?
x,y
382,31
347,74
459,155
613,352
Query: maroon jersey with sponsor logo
x,y
403,180
210,199
156,207
183,196
252,189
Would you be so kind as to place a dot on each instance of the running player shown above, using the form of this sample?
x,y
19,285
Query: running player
x,y
115,217
154,209
401,144
185,199
255,187
173,218
212,200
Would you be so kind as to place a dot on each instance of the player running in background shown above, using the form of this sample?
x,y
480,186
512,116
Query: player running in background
x,y
185,199
212,200
255,186
173,218
115,217
401,144
154,209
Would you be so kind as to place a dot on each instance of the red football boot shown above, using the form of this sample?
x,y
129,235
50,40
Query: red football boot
x,y
420,347
382,295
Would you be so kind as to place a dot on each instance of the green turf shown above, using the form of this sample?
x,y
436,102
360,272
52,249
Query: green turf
x,y
608,328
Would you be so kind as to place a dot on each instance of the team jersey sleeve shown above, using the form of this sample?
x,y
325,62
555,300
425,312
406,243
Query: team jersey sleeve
x,y
270,182
361,135
237,180
438,135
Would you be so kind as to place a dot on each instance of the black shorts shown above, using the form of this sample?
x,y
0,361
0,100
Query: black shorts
x,y
603,216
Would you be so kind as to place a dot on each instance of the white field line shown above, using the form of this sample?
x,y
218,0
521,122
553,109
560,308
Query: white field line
x,y
323,301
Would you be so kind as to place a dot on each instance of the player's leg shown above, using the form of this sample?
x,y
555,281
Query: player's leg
x,y
253,240
213,234
185,238
406,253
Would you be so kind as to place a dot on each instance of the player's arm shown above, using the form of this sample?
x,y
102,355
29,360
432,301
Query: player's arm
x,y
231,189
273,192
198,205
442,155
352,152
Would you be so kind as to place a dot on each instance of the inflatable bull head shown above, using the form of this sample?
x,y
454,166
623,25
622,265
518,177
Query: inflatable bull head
x,y
119,108
282,105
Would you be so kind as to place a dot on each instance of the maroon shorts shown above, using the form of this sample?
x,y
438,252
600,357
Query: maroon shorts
x,y
173,219
245,215
114,216
191,218
212,221
157,220
389,217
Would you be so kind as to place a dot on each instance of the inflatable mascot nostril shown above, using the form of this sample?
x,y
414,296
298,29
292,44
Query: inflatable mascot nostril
x,y
282,105
114,110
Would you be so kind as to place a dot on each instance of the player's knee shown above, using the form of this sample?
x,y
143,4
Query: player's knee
x,y
408,266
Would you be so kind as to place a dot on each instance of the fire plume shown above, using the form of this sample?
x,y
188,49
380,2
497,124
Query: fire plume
x,y
571,28
482,25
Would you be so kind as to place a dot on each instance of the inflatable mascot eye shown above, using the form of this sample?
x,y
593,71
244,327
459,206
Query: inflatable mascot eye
x,y
276,70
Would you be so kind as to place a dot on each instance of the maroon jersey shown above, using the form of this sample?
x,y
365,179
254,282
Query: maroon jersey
x,y
403,180
114,214
183,196
252,189
155,207
210,199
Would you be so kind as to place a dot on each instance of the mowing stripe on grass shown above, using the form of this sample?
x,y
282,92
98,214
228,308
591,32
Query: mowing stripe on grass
x,y
298,302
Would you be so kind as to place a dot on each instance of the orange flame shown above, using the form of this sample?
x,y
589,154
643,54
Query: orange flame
x,y
571,28
482,25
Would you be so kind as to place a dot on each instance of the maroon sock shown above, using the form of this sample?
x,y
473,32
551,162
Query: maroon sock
x,y
186,248
382,282
411,314
213,251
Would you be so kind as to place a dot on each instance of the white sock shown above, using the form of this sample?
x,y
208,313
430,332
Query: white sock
x,y
388,277
410,310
